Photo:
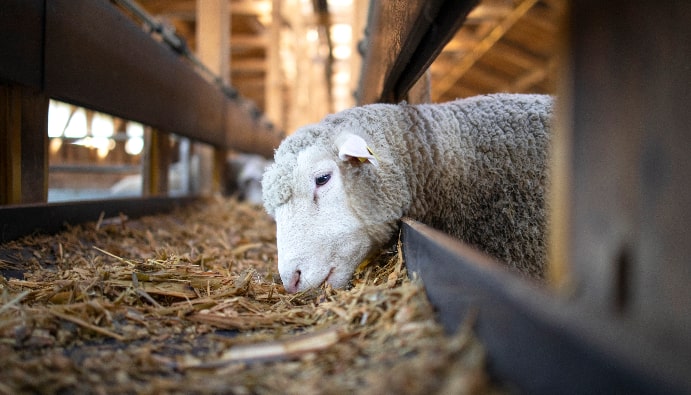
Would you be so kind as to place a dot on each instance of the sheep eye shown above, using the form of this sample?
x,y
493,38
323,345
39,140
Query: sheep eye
x,y
323,179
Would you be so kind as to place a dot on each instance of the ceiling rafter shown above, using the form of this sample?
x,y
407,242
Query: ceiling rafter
x,y
456,73
504,45
186,9
531,78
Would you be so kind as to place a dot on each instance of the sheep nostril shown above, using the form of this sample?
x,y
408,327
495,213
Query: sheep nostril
x,y
292,285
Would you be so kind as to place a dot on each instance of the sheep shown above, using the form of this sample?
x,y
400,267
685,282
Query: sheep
x,y
474,168
244,176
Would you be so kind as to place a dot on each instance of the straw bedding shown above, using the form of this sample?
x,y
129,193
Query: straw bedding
x,y
190,302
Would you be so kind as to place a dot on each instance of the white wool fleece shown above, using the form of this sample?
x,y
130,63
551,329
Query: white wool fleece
x,y
475,168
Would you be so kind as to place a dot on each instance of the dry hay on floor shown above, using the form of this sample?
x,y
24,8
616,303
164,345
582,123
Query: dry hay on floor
x,y
191,303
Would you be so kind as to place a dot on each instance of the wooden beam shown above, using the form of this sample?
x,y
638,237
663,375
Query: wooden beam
x,y
420,92
186,9
486,78
456,73
250,65
628,205
535,340
535,75
248,41
213,38
273,85
10,144
156,162
525,81
542,18
403,39
181,9
21,41
519,56
34,146
461,41
251,7
484,12
24,142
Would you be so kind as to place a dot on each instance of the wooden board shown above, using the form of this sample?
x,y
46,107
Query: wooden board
x,y
403,38
17,221
21,41
628,202
535,340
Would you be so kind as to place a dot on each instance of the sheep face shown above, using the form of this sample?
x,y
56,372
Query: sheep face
x,y
320,239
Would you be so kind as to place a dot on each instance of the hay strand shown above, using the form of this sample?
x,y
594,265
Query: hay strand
x,y
190,303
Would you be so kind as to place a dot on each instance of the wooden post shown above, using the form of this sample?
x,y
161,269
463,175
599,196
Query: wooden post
x,y
23,145
359,24
11,144
303,101
34,146
213,49
156,163
274,80
628,205
421,91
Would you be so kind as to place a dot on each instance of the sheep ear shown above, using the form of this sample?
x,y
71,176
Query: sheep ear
x,y
351,146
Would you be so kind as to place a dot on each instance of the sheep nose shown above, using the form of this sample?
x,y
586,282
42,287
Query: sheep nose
x,y
292,285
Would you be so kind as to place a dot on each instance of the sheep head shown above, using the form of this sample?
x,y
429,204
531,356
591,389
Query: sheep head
x,y
318,196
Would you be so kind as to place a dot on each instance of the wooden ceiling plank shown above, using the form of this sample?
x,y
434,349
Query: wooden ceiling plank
x,y
543,18
186,9
248,41
516,55
181,9
257,65
484,12
524,82
485,45
487,77
462,41
460,91
534,77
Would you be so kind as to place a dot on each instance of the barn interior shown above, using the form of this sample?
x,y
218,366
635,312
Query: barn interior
x,y
294,73
114,110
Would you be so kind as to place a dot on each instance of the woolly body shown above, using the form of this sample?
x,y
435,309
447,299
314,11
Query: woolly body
x,y
474,168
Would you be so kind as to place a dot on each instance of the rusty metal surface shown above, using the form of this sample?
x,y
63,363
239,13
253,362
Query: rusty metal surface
x,y
534,340
403,38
